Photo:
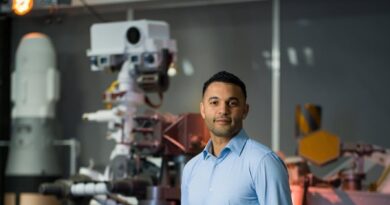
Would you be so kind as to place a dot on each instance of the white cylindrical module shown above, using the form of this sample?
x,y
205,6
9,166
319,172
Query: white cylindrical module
x,y
32,157
35,81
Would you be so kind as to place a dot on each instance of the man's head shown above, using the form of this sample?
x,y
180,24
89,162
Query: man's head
x,y
225,77
223,105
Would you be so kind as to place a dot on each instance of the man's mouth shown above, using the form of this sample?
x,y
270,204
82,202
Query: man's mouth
x,y
223,120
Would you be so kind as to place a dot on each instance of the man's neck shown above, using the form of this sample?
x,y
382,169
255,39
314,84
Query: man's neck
x,y
218,144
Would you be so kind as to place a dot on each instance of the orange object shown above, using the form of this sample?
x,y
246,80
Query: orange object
x,y
22,7
320,147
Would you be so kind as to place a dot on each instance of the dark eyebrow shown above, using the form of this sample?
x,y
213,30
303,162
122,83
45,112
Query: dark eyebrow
x,y
216,98
213,98
233,98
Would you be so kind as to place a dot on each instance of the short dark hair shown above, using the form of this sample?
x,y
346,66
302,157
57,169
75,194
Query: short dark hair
x,y
225,77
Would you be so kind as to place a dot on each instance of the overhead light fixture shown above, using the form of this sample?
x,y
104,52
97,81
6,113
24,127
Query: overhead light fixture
x,y
22,7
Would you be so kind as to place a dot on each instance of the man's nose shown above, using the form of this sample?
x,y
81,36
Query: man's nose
x,y
224,109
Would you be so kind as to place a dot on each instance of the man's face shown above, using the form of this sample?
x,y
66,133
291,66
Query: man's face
x,y
223,108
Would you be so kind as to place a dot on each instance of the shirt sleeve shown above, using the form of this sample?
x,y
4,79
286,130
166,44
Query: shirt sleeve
x,y
271,181
184,186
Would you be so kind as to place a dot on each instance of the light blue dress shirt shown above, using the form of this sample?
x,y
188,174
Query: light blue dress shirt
x,y
245,173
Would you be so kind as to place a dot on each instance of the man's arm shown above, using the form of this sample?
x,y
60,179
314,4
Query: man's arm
x,y
271,181
184,186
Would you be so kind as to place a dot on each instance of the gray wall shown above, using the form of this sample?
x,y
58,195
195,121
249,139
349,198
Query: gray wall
x,y
350,40
348,77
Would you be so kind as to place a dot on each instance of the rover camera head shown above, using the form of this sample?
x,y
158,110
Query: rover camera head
x,y
143,43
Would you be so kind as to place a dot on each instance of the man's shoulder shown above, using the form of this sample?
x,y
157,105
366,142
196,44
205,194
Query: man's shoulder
x,y
191,163
256,149
252,148
260,156
256,152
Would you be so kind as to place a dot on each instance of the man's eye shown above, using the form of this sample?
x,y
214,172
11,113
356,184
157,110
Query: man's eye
x,y
213,102
233,103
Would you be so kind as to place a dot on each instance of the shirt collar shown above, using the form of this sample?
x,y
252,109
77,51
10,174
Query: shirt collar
x,y
236,144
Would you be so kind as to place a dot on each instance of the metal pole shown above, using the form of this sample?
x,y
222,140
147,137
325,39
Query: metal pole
x,y
275,75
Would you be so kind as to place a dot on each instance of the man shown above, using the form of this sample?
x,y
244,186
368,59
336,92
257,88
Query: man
x,y
232,169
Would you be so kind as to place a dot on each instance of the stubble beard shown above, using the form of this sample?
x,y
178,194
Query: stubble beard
x,y
228,130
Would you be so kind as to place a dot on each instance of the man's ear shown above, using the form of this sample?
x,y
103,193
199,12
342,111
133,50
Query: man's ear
x,y
202,109
246,111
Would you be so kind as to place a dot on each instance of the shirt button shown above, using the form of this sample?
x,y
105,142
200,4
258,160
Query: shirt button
x,y
211,189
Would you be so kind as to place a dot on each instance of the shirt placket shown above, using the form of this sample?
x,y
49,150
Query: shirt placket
x,y
215,162
212,178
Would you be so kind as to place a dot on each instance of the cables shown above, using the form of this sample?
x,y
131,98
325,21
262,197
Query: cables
x,y
92,11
